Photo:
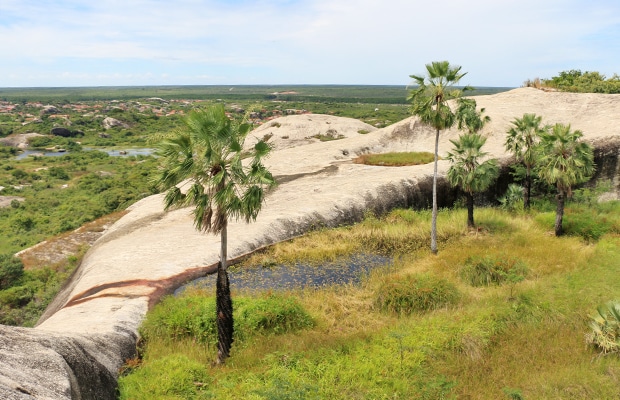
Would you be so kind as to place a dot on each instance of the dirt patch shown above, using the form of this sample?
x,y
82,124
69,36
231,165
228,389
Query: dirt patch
x,y
65,245
19,140
5,201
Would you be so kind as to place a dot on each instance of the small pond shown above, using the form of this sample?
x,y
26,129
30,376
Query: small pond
x,y
115,152
285,277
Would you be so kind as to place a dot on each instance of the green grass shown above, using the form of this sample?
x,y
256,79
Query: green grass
x,y
396,159
524,339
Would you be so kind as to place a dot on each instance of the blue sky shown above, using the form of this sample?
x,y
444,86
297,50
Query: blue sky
x,y
211,42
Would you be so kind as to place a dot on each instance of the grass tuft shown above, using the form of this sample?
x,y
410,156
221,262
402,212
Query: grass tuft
x,y
409,294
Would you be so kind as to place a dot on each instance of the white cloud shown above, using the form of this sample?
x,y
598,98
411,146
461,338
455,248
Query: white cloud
x,y
300,41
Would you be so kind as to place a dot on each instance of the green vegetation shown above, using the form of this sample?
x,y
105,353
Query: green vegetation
x,y
395,159
580,82
565,160
209,153
63,193
469,169
487,270
605,334
415,293
444,339
25,294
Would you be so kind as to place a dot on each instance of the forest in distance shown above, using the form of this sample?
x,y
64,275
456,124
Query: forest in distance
x,y
386,94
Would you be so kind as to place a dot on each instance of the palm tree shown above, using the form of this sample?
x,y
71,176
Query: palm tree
x,y
468,172
226,183
564,161
521,141
467,117
429,101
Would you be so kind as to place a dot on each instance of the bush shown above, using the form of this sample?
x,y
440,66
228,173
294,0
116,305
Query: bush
x,y
194,316
512,200
170,377
487,270
273,314
605,326
11,270
17,296
415,293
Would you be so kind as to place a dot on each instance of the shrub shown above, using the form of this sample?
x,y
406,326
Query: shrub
x,y
513,198
487,270
273,314
415,293
17,296
605,327
170,377
11,270
194,316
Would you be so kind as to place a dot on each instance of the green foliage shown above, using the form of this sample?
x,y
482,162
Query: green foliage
x,y
513,394
429,100
23,304
584,82
491,270
63,193
172,377
273,314
605,334
194,316
512,200
415,294
396,159
11,270
210,152
468,168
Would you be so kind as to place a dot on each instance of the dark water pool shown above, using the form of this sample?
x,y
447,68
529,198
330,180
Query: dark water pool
x,y
285,277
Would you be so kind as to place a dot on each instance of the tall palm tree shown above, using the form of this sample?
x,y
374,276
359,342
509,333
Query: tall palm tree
x,y
429,101
468,171
564,162
226,183
521,141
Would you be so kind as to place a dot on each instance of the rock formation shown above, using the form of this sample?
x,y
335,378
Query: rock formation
x,y
91,327
110,122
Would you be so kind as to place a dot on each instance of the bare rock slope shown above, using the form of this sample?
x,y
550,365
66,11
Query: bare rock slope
x,y
85,335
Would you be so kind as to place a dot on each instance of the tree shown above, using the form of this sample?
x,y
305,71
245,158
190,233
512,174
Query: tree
x,y
429,101
564,162
225,182
468,171
11,270
521,140
468,118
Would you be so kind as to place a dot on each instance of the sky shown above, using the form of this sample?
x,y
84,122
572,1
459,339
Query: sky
x,y
59,43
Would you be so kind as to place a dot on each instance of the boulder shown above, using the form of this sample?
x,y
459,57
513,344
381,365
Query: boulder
x,y
110,122
49,110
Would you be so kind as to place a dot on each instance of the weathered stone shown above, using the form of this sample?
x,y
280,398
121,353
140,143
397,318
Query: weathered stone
x,y
110,122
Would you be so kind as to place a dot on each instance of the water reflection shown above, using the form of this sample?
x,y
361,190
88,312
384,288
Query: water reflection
x,y
285,277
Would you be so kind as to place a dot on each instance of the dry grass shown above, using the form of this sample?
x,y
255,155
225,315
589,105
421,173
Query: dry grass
x,y
531,341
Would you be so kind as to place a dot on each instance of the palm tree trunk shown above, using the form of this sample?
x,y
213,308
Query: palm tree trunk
x,y
470,210
224,306
434,214
559,213
528,189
